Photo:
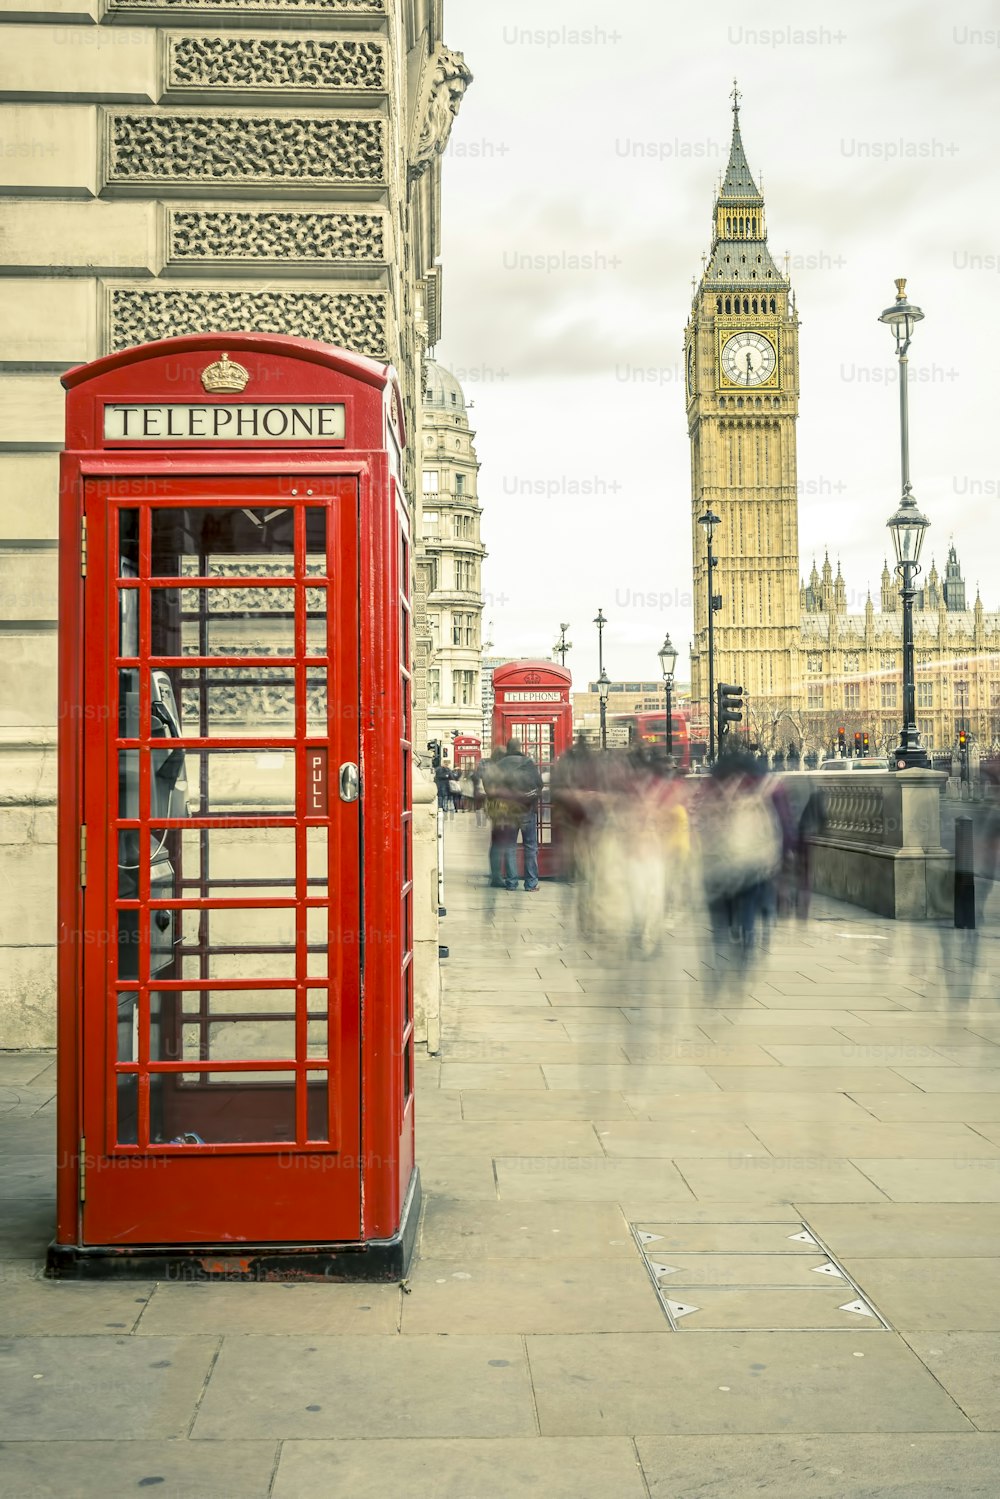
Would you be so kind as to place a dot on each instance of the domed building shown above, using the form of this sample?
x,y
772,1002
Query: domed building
x,y
450,557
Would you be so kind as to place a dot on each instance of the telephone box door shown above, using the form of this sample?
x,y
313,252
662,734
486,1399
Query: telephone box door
x,y
221,952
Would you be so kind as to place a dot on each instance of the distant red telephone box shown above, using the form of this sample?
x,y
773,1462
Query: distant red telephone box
x,y
467,751
235,1089
531,703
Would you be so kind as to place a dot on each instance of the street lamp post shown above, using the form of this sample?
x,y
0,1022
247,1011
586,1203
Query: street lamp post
x,y
708,522
668,660
603,688
562,644
906,526
600,622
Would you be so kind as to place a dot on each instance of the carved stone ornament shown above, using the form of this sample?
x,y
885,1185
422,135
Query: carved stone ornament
x,y
353,319
314,235
221,148
225,376
274,62
449,77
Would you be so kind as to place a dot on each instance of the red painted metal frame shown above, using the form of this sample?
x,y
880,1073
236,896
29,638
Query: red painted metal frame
x,y
226,1179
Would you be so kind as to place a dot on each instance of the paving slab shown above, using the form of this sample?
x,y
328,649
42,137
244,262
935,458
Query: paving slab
x,y
967,1365
821,1079
894,1229
647,1077
24,1066
780,1179
801,1020
459,1230
492,1075
936,1181
821,1308
902,1108
493,1138
488,1468
565,1103
703,1052
29,1306
751,1106
859,1054
104,1470
527,1179
904,1465
537,1049
841,1138
373,1387
27,1224
927,1294
453,1175
531,1296
639,1383
746,1270
673,1137
915,1030
101,1389
436,1104
228,1309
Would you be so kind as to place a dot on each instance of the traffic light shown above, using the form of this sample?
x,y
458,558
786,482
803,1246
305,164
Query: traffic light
x,y
864,743
434,745
963,741
857,744
730,705
842,739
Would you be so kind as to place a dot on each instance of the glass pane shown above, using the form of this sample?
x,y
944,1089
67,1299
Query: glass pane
x,y
128,621
317,1029
318,1106
128,783
238,702
242,783
317,843
221,861
128,543
199,961
128,1108
316,622
227,1108
207,621
213,542
315,541
219,1040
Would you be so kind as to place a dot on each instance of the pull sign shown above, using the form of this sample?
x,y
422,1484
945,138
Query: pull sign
x,y
316,783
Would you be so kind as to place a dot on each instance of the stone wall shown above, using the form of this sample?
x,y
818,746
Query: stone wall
x,y
179,166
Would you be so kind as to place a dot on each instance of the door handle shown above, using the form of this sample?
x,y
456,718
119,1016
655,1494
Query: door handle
x,y
350,782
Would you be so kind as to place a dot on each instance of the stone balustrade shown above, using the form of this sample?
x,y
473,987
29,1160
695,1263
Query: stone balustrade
x,y
881,845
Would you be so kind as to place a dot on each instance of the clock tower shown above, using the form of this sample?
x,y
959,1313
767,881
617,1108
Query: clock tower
x,y
742,386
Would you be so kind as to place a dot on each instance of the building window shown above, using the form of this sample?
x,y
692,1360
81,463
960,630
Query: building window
x,y
888,694
814,663
888,663
926,727
463,629
852,694
465,574
961,694
434,685
851,662
429,522
925,694
995,694
462,525
434,625
814,695
459,483
465,686
432,480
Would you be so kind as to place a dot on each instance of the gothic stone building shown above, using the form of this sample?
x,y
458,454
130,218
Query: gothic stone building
x,y
808,666
183,166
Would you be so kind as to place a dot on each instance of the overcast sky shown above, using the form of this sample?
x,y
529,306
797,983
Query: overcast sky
x,y
578,191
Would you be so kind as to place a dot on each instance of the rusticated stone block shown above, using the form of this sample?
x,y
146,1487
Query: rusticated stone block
x,y
355,320
231,148
320,235
275,62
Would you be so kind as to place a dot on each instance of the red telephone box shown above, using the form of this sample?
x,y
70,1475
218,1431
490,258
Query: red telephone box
x,y
531,703
467,752
235,1091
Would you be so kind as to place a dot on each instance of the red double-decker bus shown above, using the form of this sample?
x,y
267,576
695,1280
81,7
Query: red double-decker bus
x,y
650,729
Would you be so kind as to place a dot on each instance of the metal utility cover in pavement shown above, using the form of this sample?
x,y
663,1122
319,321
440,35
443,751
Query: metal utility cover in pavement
x,y
749,1277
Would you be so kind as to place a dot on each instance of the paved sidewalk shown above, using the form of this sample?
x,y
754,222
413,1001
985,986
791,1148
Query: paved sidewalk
x,y
686,1234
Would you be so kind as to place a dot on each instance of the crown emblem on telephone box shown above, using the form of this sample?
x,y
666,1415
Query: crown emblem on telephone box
x,y
225,375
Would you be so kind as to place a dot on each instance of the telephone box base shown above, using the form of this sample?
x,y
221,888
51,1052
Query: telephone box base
x,y
376,1260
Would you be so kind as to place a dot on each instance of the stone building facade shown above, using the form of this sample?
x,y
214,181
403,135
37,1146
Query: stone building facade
x,y
451,552
179,166
853,663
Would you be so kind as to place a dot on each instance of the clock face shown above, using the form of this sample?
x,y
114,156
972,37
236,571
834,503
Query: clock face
x,y
748,359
